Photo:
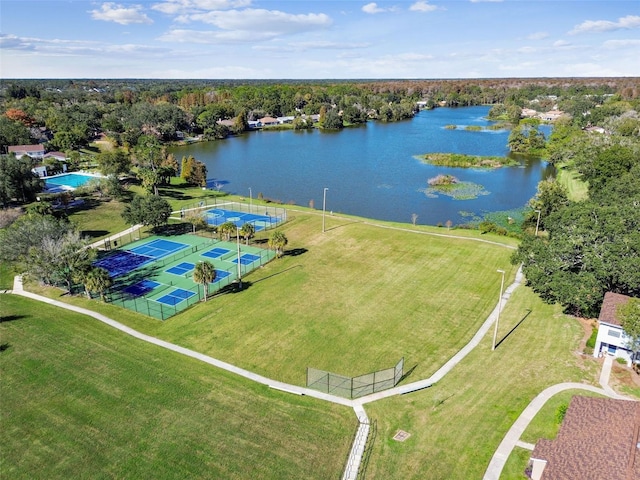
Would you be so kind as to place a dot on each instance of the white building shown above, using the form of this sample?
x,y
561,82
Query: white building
x,y
611,339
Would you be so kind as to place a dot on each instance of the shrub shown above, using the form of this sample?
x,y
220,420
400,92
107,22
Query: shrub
x,y
621,361
561,412
591,342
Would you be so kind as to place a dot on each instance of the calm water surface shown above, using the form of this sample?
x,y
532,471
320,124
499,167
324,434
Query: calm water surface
x,y
371,171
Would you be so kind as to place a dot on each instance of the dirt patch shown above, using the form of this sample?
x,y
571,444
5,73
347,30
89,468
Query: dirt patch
x,y
624,376
588,324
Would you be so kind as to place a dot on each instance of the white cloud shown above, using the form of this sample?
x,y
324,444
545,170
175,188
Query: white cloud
x,y
561,44
173,7
600,26
372,8
538,36
13,42
259,23
615,44
112,12
422,6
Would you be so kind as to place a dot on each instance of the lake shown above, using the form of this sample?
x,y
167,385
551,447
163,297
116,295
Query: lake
x,y
371,171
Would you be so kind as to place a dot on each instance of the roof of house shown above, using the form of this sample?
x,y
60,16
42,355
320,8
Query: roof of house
x,y
599,438
610,305
26,148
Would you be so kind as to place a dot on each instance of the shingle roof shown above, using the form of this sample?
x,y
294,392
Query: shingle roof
x,y
26,148
598,440
609,306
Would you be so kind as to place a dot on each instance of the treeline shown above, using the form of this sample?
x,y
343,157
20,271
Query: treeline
x,y
576,251
69,114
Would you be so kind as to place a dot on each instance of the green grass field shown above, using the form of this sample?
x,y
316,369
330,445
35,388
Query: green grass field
x,y
457,424
351,300
82,400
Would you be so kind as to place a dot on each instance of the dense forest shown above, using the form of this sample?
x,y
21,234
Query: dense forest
x,y
572,250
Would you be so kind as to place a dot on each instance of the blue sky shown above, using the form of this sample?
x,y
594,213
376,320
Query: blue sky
x,y
318,39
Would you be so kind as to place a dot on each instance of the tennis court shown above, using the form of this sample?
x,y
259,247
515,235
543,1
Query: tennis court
x,y
216,252
154,276
181,269
246,259
176,296
125,261
218,216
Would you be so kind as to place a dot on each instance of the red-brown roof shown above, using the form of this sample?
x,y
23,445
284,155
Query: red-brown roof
x,y
26,148
598,439
609,307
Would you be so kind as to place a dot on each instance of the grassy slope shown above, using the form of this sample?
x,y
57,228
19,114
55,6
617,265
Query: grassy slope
x,y
81,400
577,189
457,424
358,299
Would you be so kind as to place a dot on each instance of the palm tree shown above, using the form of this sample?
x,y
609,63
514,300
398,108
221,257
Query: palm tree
x,y
204,273
226,229
247,231
98,280
277,241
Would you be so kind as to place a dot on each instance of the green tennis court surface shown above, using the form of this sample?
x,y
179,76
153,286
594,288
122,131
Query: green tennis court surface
x,y
154,276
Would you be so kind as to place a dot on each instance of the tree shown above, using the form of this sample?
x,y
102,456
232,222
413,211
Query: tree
x,y
247,231
277,242
629,315
12,133
46,248
204,273
96,279
226,230
17,180
147,210
113,162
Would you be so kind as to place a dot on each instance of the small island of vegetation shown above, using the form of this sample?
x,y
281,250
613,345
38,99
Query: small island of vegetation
x,y
466,161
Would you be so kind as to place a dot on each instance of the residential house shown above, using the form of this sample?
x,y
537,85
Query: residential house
x,y
598,439
267,121
611,339
33,151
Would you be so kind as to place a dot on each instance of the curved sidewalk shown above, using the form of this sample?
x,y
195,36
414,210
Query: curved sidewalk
x,y
512,438
19,290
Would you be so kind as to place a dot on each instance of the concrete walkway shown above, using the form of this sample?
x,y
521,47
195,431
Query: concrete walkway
x,y
19,290
100,243
453,361
512,438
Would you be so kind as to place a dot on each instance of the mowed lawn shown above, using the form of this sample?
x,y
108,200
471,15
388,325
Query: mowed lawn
x,y
457,424
82,400
352,300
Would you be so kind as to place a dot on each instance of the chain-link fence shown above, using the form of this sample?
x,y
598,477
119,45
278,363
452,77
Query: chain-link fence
x,y
354,387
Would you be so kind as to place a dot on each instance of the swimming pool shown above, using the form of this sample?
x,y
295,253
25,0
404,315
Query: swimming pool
x,y
68,181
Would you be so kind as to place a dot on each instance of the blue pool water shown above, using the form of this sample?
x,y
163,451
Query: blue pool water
x,y
70,180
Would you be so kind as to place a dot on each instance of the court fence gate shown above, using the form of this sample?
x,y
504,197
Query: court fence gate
x,y
355,387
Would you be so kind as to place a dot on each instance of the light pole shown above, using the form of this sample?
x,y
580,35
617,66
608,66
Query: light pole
x,y
324,206
537,222
250,199
239,263
495,331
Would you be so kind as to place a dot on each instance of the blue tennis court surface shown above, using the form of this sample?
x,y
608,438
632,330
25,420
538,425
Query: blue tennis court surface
x,y
158,248
141,288
181,269
176,296
218,216
247,259
220,274
122,262
215,252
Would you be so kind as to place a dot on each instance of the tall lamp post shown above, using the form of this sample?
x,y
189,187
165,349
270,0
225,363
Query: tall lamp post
x,y
324,206
239,263
250,200
537,222
495,331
